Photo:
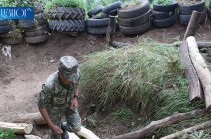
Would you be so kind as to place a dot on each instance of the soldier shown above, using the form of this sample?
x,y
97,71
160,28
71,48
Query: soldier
x,y
59,96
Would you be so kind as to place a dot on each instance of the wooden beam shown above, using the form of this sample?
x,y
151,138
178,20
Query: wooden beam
x,y
188,130
202,70
177,117
194,87
193,24
86,133
35,118
110,30
22,128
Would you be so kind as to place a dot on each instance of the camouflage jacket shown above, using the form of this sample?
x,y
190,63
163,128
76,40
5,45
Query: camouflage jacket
x,y
53,94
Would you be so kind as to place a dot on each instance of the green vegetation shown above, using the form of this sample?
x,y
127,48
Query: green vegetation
x,y
147,78
65,3
164,2
130,4
7,134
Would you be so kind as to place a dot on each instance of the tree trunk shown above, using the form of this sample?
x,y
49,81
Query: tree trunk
x,y
194,87
202,70
177,117
35,118
191,129
193,24
21,128
110,30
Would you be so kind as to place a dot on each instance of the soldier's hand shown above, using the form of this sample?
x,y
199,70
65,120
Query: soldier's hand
x,y
74,104
56,129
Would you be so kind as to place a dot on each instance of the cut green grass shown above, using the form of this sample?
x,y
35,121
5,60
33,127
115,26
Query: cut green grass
x,y
147,78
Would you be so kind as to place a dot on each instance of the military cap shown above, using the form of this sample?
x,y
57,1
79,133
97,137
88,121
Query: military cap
x,y
68,66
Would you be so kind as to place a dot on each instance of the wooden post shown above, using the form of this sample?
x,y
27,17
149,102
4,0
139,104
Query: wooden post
x,y
110,30
202,70
193,24
21,128
160,123
194,87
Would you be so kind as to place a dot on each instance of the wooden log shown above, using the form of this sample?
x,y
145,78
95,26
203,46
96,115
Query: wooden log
x,y
22,128
200,44
87,133
72,136
191,129
193,24
194,87
31,137
177,117
202,70
119,44
110,30
35,118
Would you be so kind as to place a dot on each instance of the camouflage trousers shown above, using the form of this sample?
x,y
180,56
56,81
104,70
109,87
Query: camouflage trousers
x,y
72,117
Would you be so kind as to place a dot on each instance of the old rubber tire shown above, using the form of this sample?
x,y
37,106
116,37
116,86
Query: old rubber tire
x,y
97,30
188,9
13,41
95,10
135,29
134,12
73,13
39,27
112,7
40,18
165,22
97,22
68,25
184,19
5,29
37,39
165,8
129,22
209,12
35,33
26,23
157,15
104,15
4,22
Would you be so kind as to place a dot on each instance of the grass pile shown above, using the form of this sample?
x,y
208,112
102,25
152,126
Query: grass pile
x,y
148,78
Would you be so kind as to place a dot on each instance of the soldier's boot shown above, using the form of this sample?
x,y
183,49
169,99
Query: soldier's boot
x,y
64,135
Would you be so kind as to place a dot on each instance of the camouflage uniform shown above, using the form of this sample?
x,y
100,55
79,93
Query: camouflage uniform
x,y
57,98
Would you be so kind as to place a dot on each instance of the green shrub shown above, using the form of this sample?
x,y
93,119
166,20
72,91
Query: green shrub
x,y
7,134
164,2
148,78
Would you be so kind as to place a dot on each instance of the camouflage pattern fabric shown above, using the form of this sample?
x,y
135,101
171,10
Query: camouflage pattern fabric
x,y
57,99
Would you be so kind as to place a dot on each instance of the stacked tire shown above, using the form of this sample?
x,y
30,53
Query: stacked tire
x,y
68,19
164,15
111,9
99,24
39,32
185,12
136,20
7,34
209,10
